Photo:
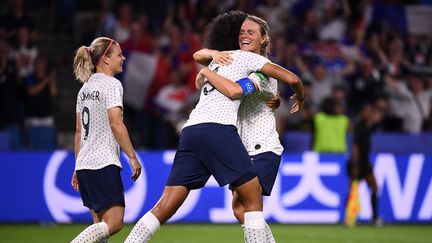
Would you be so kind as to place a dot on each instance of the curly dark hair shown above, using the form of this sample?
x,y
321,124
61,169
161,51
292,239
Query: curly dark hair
x,y
223,31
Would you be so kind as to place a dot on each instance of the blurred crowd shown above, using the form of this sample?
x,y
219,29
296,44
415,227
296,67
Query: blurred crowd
x,y
348,53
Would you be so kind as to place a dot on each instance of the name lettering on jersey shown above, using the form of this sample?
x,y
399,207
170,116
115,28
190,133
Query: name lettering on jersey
x,y
90,95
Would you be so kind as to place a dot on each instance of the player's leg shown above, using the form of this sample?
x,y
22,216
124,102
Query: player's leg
x,y
170,201
97,232
267,166
225,156
371,181
96,219
249,194
103,200
113,217
238,210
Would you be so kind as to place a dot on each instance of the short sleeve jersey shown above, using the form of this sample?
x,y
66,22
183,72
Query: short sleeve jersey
x,y
98,147
256,121
213,106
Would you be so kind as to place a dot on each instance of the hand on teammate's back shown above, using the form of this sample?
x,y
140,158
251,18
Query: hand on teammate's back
x,y
274,102
222,57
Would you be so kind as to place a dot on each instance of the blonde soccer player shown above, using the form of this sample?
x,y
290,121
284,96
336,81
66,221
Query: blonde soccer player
x,y
100,133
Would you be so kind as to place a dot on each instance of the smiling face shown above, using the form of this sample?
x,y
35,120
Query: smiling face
x,y
250,37
115,60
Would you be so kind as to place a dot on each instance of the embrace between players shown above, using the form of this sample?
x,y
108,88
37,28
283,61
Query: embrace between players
x,y
232,110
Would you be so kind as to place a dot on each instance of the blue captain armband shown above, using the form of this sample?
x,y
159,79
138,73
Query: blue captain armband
x,y
247,86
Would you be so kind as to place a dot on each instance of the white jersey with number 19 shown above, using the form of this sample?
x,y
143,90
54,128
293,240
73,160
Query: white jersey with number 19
x,y
213,106
98,146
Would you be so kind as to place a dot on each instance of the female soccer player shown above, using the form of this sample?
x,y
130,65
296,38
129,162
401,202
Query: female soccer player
x,y
256,121
99,132
210,145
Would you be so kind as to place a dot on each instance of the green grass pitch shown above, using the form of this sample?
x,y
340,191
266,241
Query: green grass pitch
x,y
220,233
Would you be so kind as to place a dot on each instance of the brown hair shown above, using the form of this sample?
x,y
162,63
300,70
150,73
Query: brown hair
x,y
87,58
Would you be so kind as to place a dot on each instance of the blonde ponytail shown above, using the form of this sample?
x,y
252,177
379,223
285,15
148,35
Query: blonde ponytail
x,y
83,66
87,58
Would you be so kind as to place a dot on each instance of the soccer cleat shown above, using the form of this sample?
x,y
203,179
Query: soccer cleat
x,y
378,222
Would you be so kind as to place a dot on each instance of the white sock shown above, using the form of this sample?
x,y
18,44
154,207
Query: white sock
x,y
94,233
269,235
143,229
254,227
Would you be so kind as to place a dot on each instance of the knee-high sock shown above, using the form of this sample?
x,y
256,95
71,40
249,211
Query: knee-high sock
x,y
254,227
94,233
143,229
269,235
374,202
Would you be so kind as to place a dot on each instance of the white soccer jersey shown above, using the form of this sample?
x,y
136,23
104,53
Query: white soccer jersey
x,y
213,106
98,145
256,121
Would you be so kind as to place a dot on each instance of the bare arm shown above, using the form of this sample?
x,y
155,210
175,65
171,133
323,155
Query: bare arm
x,y
280,73
77,134
227,87
205,56
122,137
74,181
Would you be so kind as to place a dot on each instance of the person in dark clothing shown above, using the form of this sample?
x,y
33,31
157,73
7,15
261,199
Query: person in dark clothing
x,y
41,89
359,166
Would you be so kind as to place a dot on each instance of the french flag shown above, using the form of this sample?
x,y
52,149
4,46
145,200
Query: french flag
x,y
412,19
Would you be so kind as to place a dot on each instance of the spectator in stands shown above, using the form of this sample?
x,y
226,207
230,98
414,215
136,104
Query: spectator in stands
x,y
106,19
373,48
365,84
321,81
140,39
14,19
24,52
408,101
306,28
275,14
333,23
10,89
41,90
123,21
170,100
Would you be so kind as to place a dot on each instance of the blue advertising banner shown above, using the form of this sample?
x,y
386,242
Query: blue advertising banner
x,y
310,188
